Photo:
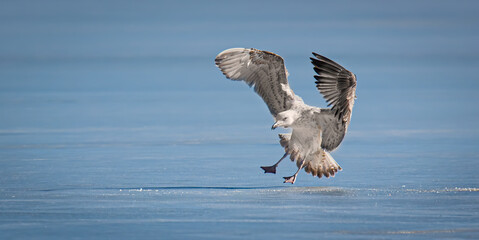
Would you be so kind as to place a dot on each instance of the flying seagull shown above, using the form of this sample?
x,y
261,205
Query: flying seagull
x,y
315,131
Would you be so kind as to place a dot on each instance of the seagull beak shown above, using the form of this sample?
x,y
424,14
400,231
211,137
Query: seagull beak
x,y
275,125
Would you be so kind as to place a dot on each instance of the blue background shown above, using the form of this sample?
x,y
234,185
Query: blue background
x,y
115,122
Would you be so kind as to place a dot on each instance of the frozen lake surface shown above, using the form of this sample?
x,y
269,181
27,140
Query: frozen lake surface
x,y
198,180
115,123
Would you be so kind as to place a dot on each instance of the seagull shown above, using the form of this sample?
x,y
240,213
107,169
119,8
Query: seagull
x,y
315,131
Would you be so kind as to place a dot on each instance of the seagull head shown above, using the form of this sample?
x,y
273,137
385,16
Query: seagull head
x,y
285,119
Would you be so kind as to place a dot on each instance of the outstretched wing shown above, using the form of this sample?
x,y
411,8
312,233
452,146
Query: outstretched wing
x,y
332,129
337,85
261,69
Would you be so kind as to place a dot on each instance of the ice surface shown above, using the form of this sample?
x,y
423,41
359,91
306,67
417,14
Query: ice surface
x,y
115,123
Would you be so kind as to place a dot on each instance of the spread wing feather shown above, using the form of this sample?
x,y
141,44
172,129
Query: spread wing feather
x,y
332,129
337,85
261,69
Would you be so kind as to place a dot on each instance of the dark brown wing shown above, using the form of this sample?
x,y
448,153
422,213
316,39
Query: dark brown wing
x,y
337,85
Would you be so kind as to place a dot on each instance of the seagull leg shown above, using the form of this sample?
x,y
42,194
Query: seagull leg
x,y
272,169
292,179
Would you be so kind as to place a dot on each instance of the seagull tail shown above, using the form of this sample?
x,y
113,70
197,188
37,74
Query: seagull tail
x,y
321,164
317,164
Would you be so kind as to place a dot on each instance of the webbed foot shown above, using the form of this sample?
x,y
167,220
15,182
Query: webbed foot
x,y
269,169
290,179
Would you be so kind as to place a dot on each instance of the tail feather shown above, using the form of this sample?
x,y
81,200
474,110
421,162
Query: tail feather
x,y
318,164
321,164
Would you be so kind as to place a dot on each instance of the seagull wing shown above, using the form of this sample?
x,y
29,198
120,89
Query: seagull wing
x,y
337,85
332,129
261,69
